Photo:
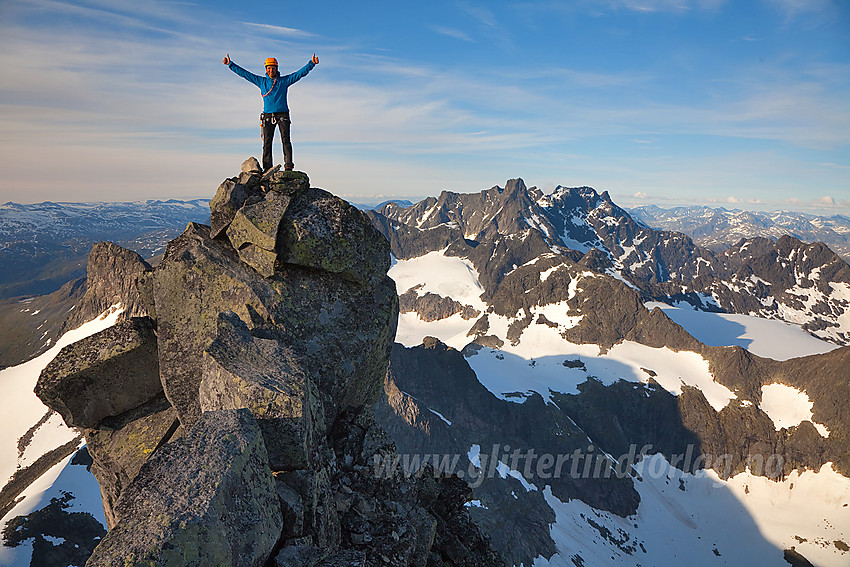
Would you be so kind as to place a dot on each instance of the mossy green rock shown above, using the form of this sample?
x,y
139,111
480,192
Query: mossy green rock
x,y
120,446
288,182
263,375
103,375
324,232
197,279
341,331
263,261
257,223
206,500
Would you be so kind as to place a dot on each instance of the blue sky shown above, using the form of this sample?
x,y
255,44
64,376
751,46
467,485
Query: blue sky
x,y
743,104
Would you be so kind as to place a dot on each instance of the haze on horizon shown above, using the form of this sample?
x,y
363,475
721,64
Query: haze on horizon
x,y
671,102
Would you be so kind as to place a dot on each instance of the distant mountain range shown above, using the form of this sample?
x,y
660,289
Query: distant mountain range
x,y
719,228
44,245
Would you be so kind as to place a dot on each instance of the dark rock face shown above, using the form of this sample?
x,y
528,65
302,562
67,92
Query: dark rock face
x,y
433,377
234,425
115,276
112,277
433,307
206,499
103,375
242,371
80,532
26,336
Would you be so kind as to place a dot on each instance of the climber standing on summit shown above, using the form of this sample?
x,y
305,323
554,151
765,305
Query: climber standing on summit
x,y
273,87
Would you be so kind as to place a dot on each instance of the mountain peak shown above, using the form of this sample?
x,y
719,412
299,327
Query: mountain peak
x,y
263,352
515,186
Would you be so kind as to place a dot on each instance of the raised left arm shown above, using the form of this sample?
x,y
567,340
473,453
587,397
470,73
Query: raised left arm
x,y
302,72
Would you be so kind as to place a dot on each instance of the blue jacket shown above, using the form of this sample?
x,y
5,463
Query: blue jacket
x,y
275,100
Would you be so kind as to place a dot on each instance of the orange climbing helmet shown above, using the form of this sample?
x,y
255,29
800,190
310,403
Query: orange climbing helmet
x,y
271,61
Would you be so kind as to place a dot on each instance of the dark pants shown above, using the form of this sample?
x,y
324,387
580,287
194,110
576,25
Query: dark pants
x,y
268,121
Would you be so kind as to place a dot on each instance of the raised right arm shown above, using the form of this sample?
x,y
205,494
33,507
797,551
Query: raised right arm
x,y
247,75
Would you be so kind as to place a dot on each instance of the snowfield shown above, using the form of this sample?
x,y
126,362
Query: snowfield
x,y
768,338
20,410
701,520
694,519
787,406
448,276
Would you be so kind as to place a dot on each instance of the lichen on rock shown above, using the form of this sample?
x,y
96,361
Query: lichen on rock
x,y
263,375
103,375
206,500
247,435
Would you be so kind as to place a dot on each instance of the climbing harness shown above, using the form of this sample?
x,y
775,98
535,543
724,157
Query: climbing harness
x,y
273,117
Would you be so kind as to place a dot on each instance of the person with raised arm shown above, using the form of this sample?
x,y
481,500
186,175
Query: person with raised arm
x,y
273,88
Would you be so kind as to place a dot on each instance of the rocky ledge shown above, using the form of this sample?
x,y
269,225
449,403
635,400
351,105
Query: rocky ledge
x,y
230,418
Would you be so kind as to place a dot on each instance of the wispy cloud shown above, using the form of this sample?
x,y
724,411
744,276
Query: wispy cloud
x,y
816,11
452,32
481,14
834,165
282,31
823,205
599,7
738,200
653,5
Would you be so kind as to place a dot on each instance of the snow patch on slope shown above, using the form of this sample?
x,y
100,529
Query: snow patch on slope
x,y
62,477
447,276
20,409
536,362
768,338
787,407
701,520
543,361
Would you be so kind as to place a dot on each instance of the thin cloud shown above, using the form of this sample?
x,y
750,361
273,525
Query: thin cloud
x,y
748,200
823,205
816,11
452,32
654,6
481,14
279,30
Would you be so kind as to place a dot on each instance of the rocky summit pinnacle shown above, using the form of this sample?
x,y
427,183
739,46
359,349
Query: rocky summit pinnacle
x,y
232,423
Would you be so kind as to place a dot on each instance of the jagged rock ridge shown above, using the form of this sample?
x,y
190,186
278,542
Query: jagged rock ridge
x,y
259,345
575,253
501,228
